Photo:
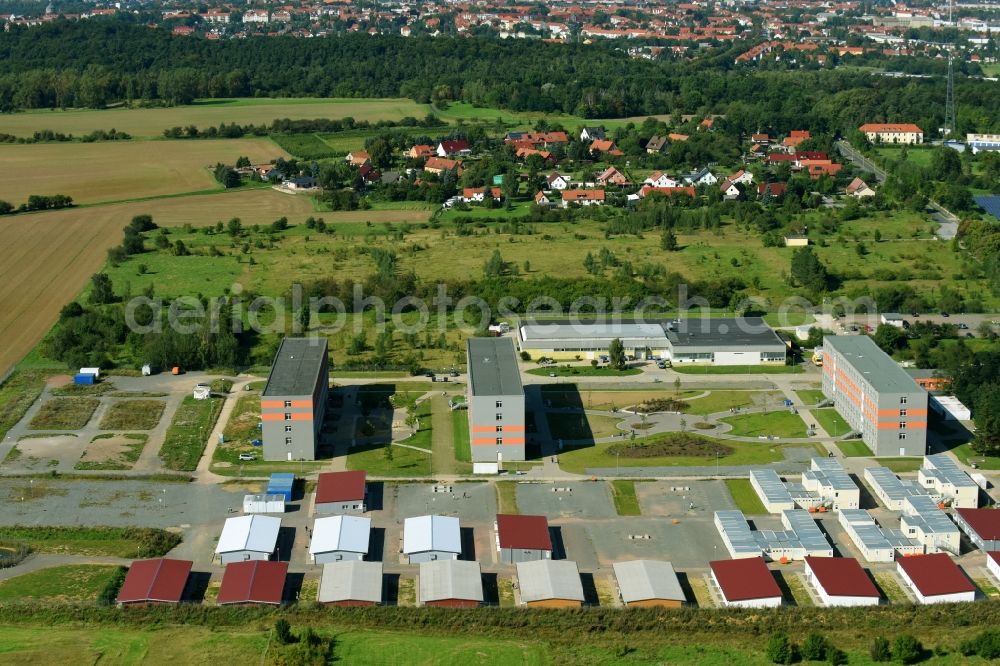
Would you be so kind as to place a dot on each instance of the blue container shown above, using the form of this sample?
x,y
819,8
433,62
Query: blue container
x,y
83,379
281,484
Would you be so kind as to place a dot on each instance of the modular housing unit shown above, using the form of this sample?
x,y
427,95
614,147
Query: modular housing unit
x,y
746,583
875,543
351,583
253,537
840,581
341,492
336,538
263,504
522,538
450,584
982,526
943,478
648,583
550,584
497,429
293,402
430,538
935,579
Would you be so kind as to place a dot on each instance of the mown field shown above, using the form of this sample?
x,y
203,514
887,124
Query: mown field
x,y
152,122
120,170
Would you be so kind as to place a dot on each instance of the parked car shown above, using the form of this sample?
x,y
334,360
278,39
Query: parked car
x,y
247,456
964,327
945,314
916,315
662,365
256,442
453,373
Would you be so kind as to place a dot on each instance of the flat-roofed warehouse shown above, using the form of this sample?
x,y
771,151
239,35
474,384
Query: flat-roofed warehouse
x,y
709,340
496,401
644,583
293,403
875,395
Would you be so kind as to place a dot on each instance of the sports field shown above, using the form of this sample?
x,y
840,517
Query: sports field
x,y
204,113
118,170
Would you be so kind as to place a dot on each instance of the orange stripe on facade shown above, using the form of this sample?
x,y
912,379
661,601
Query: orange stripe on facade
x,y
302,403
302,416
482,441
513,440
490,428
276,416
513,428
272,404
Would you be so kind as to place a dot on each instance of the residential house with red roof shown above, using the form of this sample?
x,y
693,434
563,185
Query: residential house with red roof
x,y
860,189
606,146
611,176
897,133
440,165
478,194
358,158
420,151
450,147
582,197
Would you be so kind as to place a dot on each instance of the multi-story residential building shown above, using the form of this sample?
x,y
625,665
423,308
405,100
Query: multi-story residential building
x,y
875,396
294,400
892,133
496,401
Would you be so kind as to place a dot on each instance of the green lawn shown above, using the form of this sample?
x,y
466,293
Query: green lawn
x,y
422,437
582,371
781,319
701,369
17,394
460,427
831,421
74,582
133,415
401,648
188,433
623,494
581,426
901,465
965,453
810,396
854,448
64,414
507,497
721,401
109,541
745,496
781,424
405,462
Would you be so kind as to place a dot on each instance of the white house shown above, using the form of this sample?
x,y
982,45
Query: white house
x,y
729,189
741,176
557,182
660,179
703,177
253,537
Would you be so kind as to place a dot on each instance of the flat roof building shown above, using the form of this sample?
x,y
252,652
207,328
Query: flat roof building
x,y
800,537
923,521
875,543
523,538
351,583
746,583
889,488
158,581
935,579
341,492
293,403
875,395
550,584
824,484
429,538
497,429
644,583
943,478
253,537
255,582
840,581
982,526
710,340
337,538
450,584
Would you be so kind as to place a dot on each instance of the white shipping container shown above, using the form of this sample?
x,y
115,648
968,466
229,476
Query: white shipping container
x,y
91,371
263,504
485,468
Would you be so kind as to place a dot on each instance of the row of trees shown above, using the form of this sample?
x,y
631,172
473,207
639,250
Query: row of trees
x,y
37,202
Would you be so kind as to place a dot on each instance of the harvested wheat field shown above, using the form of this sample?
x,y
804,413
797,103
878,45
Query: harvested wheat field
x,y
119,170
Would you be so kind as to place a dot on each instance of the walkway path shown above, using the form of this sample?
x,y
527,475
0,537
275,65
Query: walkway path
x,y
443,437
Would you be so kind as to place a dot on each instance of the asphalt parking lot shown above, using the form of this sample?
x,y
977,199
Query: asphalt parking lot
x,y
567,499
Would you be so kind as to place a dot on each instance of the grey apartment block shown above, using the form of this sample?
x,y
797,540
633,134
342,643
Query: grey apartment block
x,y
875,395
294,400
496,401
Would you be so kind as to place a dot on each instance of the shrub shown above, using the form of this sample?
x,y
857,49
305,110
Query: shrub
x,y
109,594
907,649
986,645
780,649
880,650
836,656
814,648
283,631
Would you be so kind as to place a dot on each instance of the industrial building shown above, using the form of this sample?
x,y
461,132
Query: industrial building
x,y
935,579
875,396
243,538
944,479
875,543
158,581
429,538
522,538
341,492
746,583
840,581
336,538
496,401
708,340
800,537
824,485
255,582
351,583
550,584
889,488
646,583
923,521
982,526
450,583
293,402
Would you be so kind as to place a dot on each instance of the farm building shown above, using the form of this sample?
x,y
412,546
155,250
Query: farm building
x,y
523,538
875,543
993,564
351,583
496,401
159,581
429,538
935,579
255,582
341,492
982,527
746,583
840,581
281,483
550,584
943,478
293,402
450,583
644,583
244,538
337,538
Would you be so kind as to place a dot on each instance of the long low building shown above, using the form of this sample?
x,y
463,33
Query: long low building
x,y
550,584
801,537
944,479
158,581
450,584
890,489
705,340
825,484
875,543
840,581
351,583
935,579
646,583
923,521
253,537
982,527
746,583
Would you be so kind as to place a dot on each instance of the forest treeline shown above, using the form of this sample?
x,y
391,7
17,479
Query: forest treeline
x,y
100,62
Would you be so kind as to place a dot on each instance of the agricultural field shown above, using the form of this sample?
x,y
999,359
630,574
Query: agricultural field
x,y
123,170
150,123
